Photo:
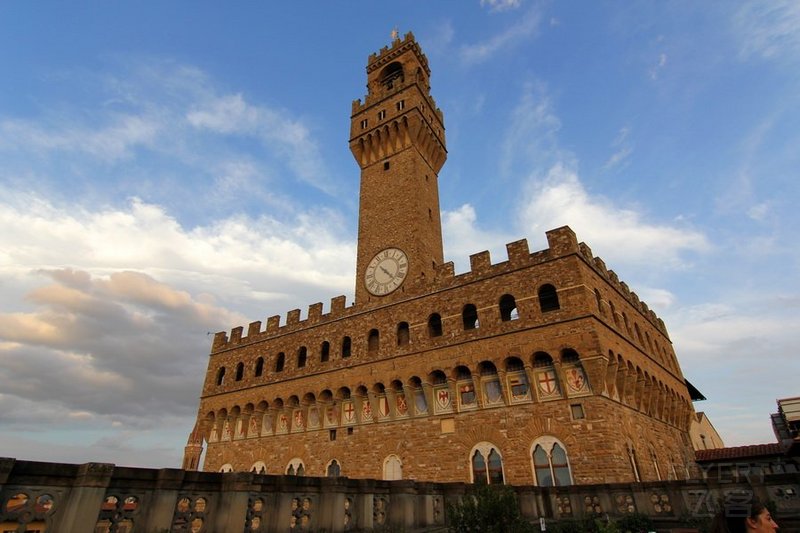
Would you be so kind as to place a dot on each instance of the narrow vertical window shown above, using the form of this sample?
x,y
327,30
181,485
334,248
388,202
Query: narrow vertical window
x,y
259,367
548,298
220,376
279,362
302,355
239,371
403,334
346,347
325,351
373,342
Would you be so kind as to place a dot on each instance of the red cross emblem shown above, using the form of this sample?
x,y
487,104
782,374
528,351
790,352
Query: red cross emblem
x,y
547,381
349,412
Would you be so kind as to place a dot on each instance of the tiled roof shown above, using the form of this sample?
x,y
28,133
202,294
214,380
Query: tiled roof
x,y
739,452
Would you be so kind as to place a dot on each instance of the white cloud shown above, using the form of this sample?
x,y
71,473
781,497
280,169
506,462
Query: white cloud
x,y
768,29
463,237
655,70
113,137
613,232
119,300
623,149
527,26
501,5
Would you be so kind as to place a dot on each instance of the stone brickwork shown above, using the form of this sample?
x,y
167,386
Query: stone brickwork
x,y
53,498
542,368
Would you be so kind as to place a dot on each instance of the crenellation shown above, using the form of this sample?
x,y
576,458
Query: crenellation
x,y
220,340
518,252
293,317
480,263
601,266
614,278
236,334
586,252
315,312
253,329
625,289
273,324
337,306
562,241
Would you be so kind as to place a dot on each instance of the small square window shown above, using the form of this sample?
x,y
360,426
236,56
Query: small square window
x,y
381,114
577,411
364,124
332,434
385,165
401,105
349,431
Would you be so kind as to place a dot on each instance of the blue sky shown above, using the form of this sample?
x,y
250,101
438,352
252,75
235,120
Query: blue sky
x,y
173,169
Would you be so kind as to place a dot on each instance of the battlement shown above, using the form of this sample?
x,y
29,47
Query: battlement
x,y
399,46
609,275
562,242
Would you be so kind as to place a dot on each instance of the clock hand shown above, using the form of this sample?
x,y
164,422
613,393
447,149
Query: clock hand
x,y
386,271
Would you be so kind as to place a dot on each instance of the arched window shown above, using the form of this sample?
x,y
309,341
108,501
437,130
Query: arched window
x,y
259,367
486,464
550,463
392,468
239,371
325,351
259,467
295,467
508,308
470,317
403,335
346,347
227,467
220,375
542,359
302,355
435,325
333,470
548,298
373,341
280,362
599,300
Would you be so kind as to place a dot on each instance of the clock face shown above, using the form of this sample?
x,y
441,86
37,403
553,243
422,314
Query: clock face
x,y
387,271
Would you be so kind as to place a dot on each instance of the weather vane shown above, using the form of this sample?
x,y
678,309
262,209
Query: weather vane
x,y
395,33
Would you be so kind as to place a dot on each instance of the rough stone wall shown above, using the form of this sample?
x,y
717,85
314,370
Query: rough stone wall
x,y
635,401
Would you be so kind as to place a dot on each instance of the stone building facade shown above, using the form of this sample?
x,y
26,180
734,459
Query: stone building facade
x,y
541,369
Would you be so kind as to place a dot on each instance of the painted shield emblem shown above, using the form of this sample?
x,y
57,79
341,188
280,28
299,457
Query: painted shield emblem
x,y
313,417
400,403
443,398
298,419
383,406
576,379
547,381
348,412
366,410
283,422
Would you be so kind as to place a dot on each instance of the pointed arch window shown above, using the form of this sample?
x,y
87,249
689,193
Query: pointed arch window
x,y
220,376
302,356
550,463
392,468
239,371
486,464
280,362
295,467
259,370
548,298
334,469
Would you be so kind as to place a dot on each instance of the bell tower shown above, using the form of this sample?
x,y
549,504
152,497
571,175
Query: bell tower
x,y
397,138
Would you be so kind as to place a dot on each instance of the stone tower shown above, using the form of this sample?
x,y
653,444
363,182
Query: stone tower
x,y
397,138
